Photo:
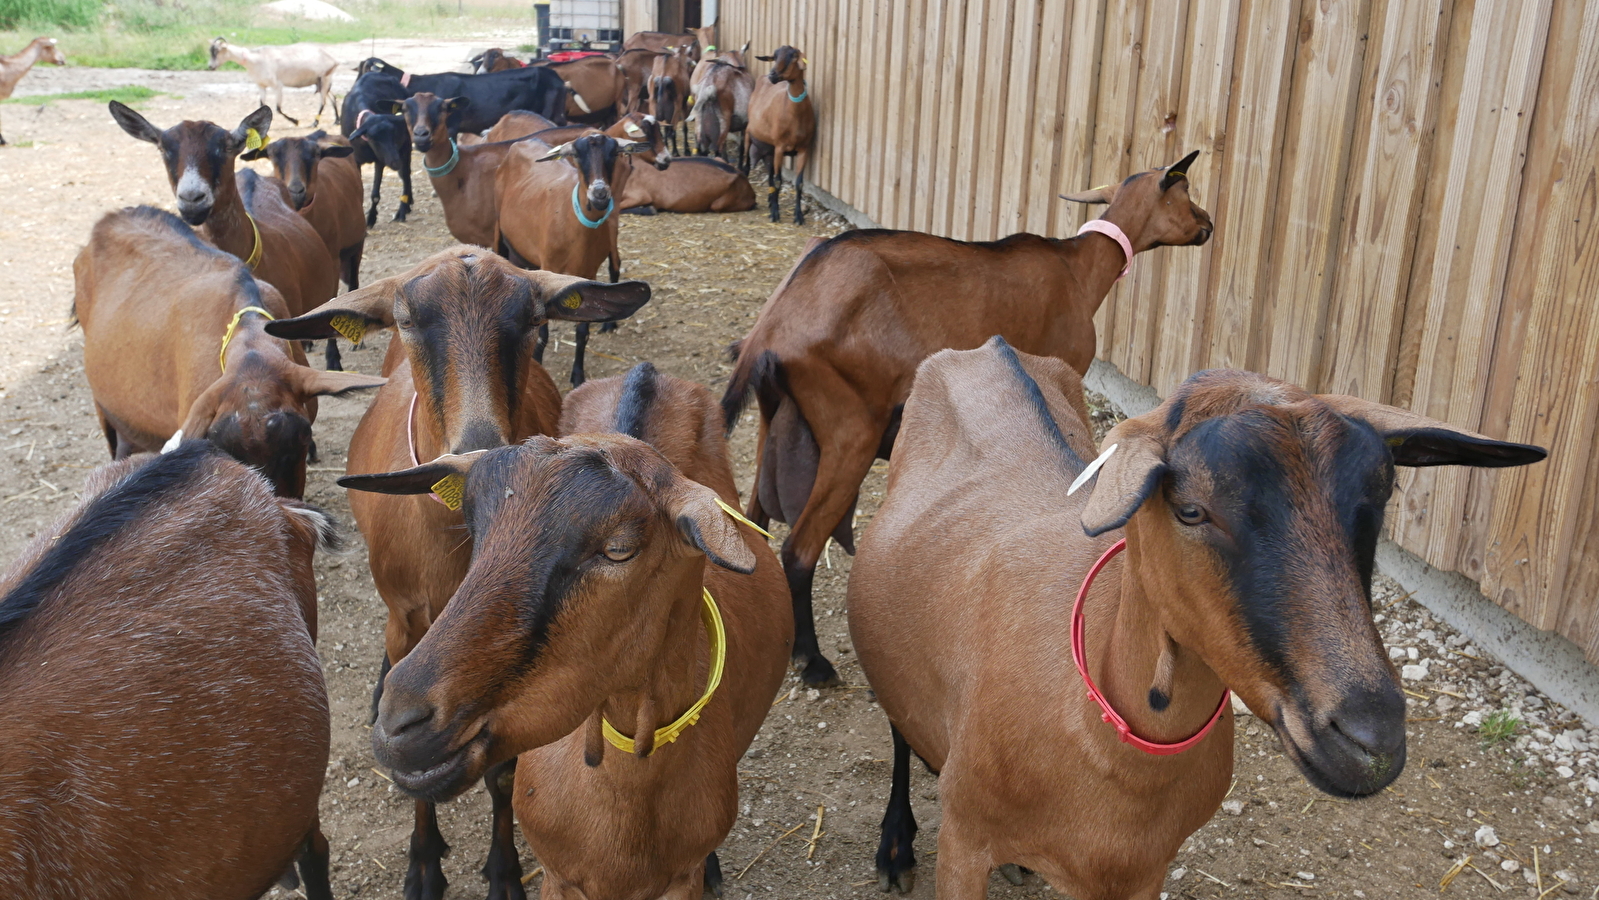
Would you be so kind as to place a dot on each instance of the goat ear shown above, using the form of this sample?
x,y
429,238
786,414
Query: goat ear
x,y
252,155
334,151
134,124
390,107
202,412
766,58
578,300
564,151
423,479
1105,193
455,103
704,526
309,382
1177,171
1417,440
252,131
1131,467
349,315
634,147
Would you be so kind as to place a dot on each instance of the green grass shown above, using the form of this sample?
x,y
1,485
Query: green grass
x,y
1498,727
175,34
131,95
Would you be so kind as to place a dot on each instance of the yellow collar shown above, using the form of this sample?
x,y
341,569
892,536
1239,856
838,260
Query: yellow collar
x,y
711,617
227,338
255,254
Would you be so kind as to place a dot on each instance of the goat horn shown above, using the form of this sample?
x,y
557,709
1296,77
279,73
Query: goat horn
x,y
560,152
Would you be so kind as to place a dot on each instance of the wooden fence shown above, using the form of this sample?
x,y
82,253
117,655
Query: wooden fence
x,y
1405,195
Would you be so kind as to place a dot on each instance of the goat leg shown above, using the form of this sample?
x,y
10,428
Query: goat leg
x,y
424,877
279,106
577,354
541,343
713,875
377,184
774,184
377,690
616,273
503,868
331,356
405,188
896,855
313,864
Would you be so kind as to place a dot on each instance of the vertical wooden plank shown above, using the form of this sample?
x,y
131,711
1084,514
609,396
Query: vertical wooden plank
x,y
893,112
906,112
1071,169
833,127
1315,164
1006,47
1373,271
879,111
949,115
1245,208
1466,282
1022,107
1201,125
929,132
1138,303
1121,60
1557,397
1044,122
968,139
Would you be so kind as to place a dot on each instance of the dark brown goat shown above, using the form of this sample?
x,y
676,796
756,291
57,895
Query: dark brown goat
x,y
722,106
595,87
1250,511
168,348
462,174
633,127
668,87
617,640
318,168
257,226
494,59
832,355
782,123
518,123
560,217
165,717
462,380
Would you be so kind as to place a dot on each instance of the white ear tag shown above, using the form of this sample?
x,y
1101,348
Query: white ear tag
x,y
173,442
1093,467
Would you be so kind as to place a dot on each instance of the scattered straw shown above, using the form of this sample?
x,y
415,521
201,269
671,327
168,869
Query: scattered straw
x,y
532,875
1454,870
816,834
768,849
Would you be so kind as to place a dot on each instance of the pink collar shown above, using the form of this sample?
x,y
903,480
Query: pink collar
x,y
410,443
1081,659
1110,230
405,80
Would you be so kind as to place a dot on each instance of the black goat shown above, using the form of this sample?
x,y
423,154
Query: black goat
x,y
491,95
378,138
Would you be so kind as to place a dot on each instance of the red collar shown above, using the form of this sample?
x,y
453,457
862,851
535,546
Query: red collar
x,y
1123,731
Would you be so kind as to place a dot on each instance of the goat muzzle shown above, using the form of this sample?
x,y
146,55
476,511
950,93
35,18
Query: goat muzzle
x,y
425,756
1356,749
599,194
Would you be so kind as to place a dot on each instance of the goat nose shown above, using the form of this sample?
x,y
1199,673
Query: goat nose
x,y
192,196
599,192
1373,720
407,717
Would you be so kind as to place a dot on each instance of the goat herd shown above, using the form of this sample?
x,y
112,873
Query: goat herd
x,y
579,614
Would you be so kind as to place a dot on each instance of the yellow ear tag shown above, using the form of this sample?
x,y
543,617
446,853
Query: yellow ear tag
x,y
633,130
690,99
739,517
571,301
252,140
449,490
804,61
352,327
1395,442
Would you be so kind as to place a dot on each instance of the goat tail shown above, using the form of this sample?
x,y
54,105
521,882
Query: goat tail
x,y
578,99
758,373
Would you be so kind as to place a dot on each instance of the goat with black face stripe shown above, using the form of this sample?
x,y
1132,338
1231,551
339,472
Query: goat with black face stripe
x,y
619,634
1250,511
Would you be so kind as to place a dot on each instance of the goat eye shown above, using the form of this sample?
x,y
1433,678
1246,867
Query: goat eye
x,y
618,550
1191,514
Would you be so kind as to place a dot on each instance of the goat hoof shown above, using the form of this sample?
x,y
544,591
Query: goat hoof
x,y
1012,873
606,327
904,882
713,875
817,672
372,218
400,216
425,881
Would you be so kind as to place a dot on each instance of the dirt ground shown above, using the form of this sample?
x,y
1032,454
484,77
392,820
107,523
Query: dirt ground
x,y
820,753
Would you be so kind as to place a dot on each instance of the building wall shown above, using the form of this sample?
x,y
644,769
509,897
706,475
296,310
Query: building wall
x,y
1405,194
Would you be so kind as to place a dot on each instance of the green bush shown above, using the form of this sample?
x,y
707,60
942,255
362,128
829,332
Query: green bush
x,y
48,14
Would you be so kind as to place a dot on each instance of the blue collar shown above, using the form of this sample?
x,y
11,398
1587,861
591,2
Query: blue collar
x,y
578,209
803,94
447,168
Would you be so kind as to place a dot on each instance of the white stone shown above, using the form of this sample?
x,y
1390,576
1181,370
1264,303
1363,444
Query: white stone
x,y
1511,866
1178,873
1564,771
1473,718
1485,836
1566,875
1394,653
1412,653
1233,807
1414,672
1305,876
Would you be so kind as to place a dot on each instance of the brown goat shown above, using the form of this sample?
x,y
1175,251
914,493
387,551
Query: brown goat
x,y
694,39
169,349
518,123
319,167
560,217
635,66
165,717
782,123
595,88
668,88
462,174
833,353
604,547
462,380
495,59
13,67
257,226
1250,511
722,106
691,185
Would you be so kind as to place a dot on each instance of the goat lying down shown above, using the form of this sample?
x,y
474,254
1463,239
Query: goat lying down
x,y
1249,510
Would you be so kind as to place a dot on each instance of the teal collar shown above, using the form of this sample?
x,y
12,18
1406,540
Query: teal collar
x,y
803,94
577,208
447,168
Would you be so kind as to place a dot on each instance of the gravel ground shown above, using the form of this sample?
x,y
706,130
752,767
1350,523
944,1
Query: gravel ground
x,y
1498,774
